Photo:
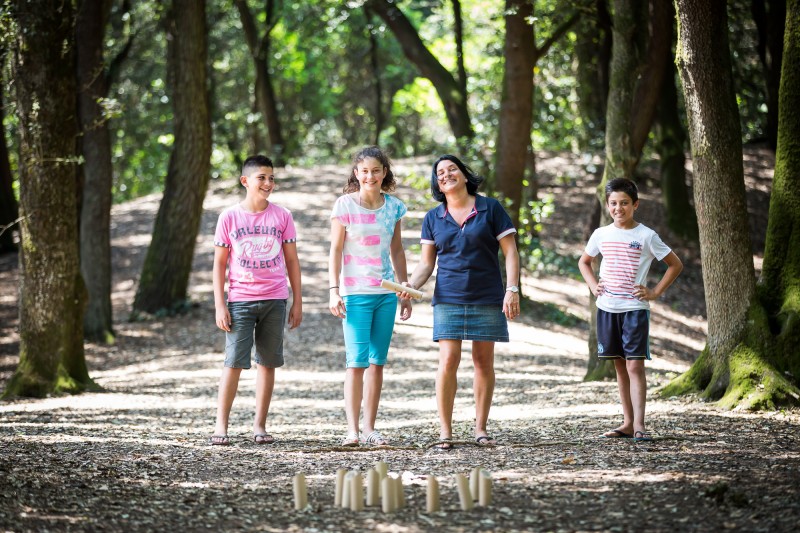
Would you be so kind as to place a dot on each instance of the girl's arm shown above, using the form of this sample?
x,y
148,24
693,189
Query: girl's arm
x,y
293,272
335,302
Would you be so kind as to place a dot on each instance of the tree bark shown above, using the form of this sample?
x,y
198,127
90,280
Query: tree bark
x,y
637,72
735,367
165,275
780,277
9,210
770,19
453,97
52,297
516,103
265,93
593,53
95,142
671,145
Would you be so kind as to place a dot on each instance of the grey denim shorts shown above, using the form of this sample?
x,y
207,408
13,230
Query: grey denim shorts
x,y
260,324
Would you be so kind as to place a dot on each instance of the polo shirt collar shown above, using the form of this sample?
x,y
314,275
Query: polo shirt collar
x,y
480,205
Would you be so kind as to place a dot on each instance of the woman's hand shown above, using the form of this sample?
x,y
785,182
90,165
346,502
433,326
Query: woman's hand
x,y
511,305
405,309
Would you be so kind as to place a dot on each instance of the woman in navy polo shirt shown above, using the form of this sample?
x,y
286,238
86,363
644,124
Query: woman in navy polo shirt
x,y
470,302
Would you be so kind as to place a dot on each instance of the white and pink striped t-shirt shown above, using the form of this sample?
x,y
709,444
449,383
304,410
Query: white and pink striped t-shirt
x,y
627,255
366,257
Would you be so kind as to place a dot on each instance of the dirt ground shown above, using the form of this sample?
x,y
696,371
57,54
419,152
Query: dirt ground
x,y
136,458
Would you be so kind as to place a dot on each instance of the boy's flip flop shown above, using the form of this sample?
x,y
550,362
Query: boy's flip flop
x,y
617,434
642,436
485,440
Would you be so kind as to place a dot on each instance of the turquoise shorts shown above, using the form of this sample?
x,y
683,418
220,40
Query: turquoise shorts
x,y
368,327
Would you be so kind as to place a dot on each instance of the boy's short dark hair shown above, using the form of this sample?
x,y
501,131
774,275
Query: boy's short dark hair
x,y
622,185
255,161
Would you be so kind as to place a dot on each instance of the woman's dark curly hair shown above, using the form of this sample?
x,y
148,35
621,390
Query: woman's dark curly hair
x,y
473,180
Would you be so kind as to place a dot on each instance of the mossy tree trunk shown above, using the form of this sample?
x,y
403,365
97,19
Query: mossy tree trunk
x,y
95,142
737,366
780,278
165,275
52,296
637,69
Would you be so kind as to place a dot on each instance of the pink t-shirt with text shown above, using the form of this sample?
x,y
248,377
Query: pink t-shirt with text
x,y
256,267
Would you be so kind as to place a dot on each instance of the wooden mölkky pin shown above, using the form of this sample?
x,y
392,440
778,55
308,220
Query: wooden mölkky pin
x,y
373,487
337,497
356,492
346,485
485,489
464,496
300,491
474,482
387,495
432,496
399,493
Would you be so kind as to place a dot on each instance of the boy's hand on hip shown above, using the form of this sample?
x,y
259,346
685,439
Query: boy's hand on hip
x,y
643,293
600,288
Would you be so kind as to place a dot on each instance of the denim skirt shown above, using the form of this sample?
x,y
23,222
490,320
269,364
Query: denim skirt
x,y
469,322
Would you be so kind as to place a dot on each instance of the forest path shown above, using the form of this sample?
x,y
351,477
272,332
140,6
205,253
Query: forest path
x,y
136,458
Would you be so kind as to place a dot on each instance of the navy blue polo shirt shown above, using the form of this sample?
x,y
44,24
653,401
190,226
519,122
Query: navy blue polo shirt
x,y
468,264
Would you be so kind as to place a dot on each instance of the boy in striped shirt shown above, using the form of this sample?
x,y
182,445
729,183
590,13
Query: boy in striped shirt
x,y
623,310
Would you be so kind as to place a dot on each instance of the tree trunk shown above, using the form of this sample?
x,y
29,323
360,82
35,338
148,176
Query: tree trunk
x,y
265,93
593,53
165,275
376,75
450,92
95,142
637,71
670,145
780,277
735,366
52,297
516,103
770,19
9,210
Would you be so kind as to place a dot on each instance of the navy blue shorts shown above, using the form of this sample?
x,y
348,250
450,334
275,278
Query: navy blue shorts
x,y
623,335
469,322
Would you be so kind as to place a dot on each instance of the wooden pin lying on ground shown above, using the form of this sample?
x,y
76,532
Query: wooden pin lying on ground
x,y
300,491
432,497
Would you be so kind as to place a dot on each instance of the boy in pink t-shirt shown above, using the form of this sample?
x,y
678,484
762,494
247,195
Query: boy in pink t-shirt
x,y
256,241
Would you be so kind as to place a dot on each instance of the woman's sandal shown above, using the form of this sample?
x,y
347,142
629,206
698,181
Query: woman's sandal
x,y
263,438
351,440
374,439
444,444
219,440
